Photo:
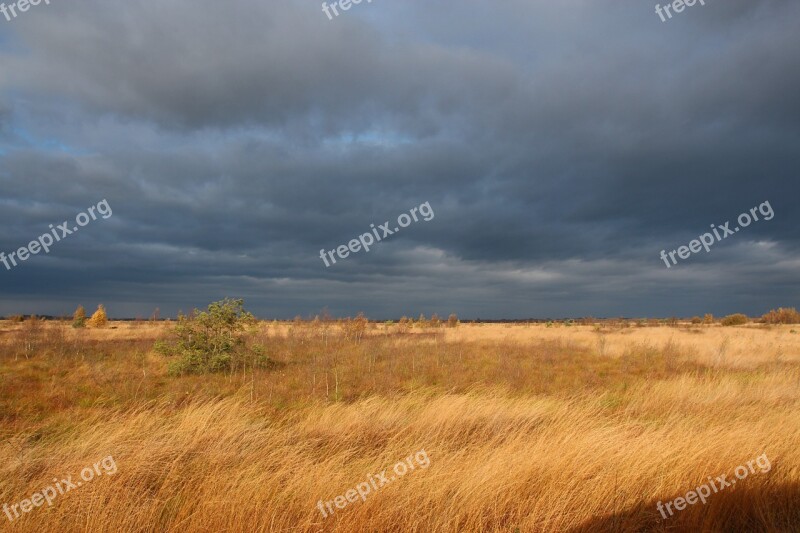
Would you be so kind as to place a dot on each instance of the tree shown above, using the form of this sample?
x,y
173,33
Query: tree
x,y
435,321
213,340
99,318
32,336
452,321
354,329
708,319
316,326
79,317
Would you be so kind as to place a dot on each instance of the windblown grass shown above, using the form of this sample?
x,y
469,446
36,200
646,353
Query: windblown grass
x,y
527,429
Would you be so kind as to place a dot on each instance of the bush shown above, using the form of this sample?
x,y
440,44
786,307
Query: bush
x,y
697,320
737,319
403,325
782,316
213,341
354,329
452,321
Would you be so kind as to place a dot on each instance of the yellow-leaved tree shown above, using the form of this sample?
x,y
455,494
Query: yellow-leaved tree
x,y
99,318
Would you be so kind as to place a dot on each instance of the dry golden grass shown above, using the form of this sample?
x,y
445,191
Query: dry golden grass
x,y
528,428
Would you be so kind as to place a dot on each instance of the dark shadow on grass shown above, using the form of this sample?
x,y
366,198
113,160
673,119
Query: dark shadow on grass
x,y
748,507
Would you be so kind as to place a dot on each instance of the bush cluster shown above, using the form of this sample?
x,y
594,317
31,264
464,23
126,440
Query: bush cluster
x,y
782,316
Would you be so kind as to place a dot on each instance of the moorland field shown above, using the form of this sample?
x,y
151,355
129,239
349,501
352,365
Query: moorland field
x,y
528,427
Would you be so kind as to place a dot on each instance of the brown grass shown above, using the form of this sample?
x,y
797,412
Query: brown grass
x,y
528,428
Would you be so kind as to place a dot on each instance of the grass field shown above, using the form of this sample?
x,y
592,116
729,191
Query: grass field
x,y
526,427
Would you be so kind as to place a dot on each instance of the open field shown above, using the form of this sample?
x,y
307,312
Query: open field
x,y
527,428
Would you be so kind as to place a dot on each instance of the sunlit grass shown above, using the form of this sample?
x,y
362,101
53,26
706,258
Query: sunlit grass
x,y
527,427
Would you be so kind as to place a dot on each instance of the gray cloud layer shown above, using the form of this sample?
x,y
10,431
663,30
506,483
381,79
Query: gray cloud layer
x,y
562,146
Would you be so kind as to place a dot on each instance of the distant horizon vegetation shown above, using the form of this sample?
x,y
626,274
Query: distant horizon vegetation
x,y
781,315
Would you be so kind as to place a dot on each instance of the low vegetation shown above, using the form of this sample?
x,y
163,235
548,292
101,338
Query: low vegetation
x,y
99,318
213,341
234,424
782,316
735,320
79,317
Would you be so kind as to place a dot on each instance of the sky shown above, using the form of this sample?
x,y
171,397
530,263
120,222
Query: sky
x,y
560,145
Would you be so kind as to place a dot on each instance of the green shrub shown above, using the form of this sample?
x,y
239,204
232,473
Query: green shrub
x,y
213,341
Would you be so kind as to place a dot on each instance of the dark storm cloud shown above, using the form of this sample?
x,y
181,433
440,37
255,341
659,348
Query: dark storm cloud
x,y
561,145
